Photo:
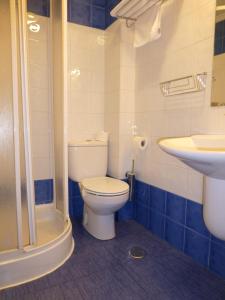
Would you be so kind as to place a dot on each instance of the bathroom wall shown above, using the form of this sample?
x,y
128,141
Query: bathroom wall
x,y
219,79
86,101
90,13
39,7
219,47
119,97
112,95
168,195
110,4
219,61
40,105
86,81
185,48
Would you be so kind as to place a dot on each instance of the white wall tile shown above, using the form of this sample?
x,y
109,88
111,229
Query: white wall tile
x,y
43,33
86,81
42,168
40,145
195,184
38,76
97,102
185,48
40,99
38,52
127,101
79,101
119,96
40,122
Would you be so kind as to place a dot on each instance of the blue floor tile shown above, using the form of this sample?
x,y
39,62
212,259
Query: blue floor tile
x,y
104,270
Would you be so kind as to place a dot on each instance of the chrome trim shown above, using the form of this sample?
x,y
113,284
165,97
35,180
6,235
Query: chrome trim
x,y
193,83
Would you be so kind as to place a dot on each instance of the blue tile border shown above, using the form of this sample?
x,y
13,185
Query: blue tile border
x,y
174,234
79,13
175,208
197,246
91,13
142,194
39,7
109,6
157,223
43,191
175,219
76,203
194,218
126,212
217,259
158,199
219,43
98,17
180,222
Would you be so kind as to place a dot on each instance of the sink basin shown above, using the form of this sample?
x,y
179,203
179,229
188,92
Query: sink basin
x,y
205,154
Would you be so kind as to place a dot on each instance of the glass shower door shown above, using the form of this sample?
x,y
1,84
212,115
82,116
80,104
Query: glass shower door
x,y
59,59
8,206
16,224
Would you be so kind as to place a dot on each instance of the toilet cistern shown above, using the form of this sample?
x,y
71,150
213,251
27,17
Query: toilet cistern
x,y
102,195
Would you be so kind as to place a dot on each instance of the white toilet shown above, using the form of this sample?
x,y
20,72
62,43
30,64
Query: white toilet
x,y
102,195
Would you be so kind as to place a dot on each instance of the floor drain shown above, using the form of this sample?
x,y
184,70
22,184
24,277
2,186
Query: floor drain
x,y
137,253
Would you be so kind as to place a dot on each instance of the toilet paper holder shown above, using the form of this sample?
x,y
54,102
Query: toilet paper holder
x,y
140,142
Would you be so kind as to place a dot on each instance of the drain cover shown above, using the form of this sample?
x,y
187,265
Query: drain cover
x,y
137,253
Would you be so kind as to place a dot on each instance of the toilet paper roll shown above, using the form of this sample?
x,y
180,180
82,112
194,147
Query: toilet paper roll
x,y
140,142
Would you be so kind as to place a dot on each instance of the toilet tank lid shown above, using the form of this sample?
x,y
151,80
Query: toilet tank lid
x,y
88,143
105,185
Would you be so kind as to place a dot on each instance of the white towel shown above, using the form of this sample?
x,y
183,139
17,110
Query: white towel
x,y
148,26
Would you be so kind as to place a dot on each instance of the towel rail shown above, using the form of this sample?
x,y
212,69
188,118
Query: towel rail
x,y
131,10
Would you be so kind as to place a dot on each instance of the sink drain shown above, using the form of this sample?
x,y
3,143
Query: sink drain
x,y
137,253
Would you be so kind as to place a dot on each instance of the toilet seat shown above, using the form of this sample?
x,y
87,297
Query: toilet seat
x,y
105,186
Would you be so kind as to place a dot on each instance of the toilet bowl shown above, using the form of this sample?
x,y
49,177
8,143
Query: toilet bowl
x,y
102,196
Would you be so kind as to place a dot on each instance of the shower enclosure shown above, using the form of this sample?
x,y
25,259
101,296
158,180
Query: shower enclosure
x,y
34,239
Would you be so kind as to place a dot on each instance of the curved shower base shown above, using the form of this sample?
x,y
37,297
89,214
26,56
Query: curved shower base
x,y
54,246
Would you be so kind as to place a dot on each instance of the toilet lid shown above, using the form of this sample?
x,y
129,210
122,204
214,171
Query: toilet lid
x,y
105,186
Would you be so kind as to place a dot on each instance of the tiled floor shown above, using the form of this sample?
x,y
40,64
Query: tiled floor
x,y
103,271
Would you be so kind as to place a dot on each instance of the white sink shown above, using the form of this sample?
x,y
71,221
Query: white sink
x,y
206,154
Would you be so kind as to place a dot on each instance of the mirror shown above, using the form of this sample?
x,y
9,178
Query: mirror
x,y
218,78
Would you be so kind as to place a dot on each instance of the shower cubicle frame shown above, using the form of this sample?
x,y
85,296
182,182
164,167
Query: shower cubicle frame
x,y
21,7
50,256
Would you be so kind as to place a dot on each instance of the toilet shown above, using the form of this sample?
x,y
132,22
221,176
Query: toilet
x,y
102,195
